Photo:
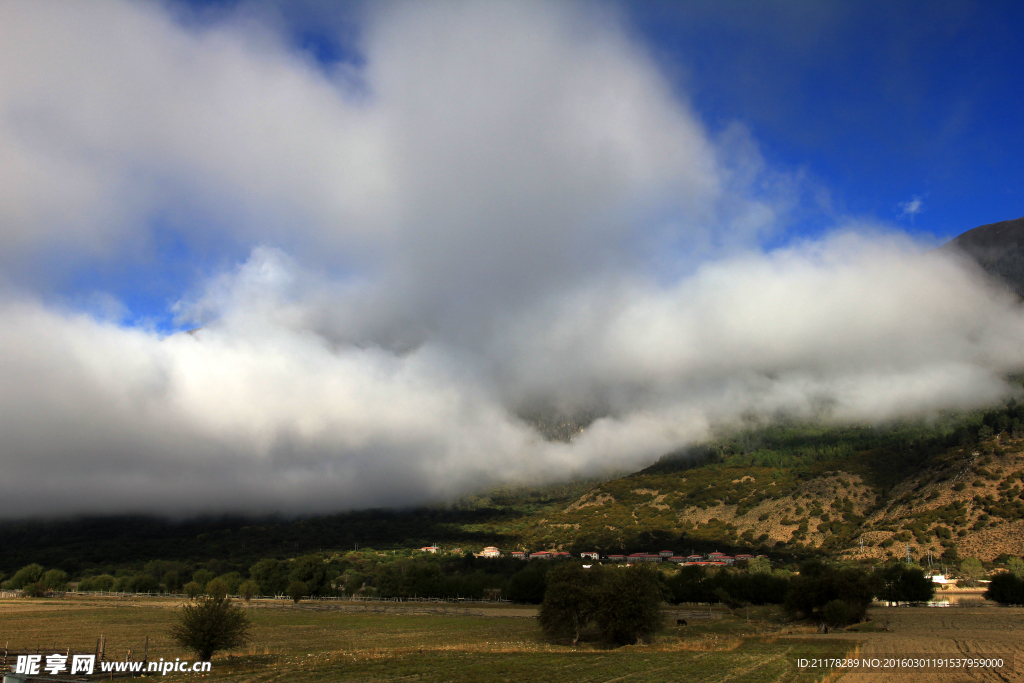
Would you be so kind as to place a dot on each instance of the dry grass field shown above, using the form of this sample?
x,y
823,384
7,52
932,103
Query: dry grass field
x,y
981,631
423,644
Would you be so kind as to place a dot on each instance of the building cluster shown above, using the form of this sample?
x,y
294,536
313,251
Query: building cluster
x,y
715,558
712,559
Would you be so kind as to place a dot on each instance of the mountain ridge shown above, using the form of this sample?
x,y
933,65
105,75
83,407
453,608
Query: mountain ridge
x,y
998,248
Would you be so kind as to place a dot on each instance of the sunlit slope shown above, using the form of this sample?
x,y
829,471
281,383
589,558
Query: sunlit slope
x,y
952,487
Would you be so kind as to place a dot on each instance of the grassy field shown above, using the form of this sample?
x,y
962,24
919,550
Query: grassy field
x,y
421,644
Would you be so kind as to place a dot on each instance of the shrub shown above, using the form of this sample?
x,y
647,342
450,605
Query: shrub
x,y
103,582
248,590
33,590
1007,589
972,570
818,584
232,580
142,583
203,577
55,580
28,574
900,583
210,625
217,588
193,589
759,565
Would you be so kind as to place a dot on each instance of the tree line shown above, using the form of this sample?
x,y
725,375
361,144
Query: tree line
x,y
622,605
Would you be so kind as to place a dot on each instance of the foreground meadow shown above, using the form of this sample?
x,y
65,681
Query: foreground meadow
x,y
984,630
429,643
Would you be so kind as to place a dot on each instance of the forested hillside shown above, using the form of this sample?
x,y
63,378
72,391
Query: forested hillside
x,y
947,487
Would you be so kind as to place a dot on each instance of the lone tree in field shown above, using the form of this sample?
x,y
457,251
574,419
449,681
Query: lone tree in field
x,y
570,601
623,604
211,624
630,607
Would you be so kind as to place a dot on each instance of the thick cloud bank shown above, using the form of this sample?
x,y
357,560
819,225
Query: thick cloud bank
x,y
503,208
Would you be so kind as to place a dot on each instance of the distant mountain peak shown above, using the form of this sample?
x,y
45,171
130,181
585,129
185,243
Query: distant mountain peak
x,y
998,248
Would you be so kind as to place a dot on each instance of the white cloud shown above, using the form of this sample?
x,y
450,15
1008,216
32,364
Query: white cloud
x,y
258,410
511,209
911,208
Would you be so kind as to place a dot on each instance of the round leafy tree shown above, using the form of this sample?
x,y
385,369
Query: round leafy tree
x,y
211,624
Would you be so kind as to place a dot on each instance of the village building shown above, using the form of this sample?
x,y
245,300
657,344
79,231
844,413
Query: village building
x,y
667,553
542,555
490,551
591,555
643,557
518,555
429,549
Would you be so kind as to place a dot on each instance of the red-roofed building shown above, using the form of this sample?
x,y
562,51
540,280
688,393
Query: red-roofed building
x,y
667,553
542,555
616,558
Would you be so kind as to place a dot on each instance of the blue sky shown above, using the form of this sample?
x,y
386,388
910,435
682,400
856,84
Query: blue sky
x,y
881,101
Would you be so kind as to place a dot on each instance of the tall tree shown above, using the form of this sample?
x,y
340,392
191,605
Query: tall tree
x,y
570,600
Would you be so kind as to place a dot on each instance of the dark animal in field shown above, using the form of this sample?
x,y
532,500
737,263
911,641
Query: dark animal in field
x,y
680,622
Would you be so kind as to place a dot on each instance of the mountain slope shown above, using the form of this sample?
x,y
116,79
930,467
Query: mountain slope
x,y
998,248
953,488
